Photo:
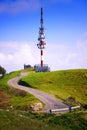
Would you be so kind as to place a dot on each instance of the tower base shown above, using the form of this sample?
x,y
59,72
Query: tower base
x,y
39,68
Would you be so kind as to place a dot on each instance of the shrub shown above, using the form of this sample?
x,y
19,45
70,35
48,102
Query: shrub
x,y
84,106
2,71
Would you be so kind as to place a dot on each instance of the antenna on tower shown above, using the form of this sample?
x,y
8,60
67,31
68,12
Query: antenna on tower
x,y
41,45
41,15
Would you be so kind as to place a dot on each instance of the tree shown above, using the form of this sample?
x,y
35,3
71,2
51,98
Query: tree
x,y
2,71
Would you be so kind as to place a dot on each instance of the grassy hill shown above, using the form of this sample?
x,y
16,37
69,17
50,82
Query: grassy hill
x,y
10,97
61,84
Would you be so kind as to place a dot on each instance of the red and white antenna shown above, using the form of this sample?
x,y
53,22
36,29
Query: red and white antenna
x,y
41,38
41,45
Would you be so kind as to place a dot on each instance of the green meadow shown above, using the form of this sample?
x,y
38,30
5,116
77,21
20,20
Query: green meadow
x,y
61,84
14,103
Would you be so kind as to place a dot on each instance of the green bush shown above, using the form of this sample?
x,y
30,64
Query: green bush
x,y
2,71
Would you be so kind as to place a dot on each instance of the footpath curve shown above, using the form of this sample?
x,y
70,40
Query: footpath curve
x,y
50,101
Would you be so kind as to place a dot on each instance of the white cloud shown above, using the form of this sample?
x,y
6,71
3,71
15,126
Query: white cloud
x,y
66,56
13,55
19,6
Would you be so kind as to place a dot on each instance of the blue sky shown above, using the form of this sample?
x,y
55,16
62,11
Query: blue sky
x,y
65,23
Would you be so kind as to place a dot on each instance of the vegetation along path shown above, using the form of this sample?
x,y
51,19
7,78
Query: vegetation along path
x,y
50,101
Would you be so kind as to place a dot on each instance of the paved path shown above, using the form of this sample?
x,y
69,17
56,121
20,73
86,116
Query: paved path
x,y
50,101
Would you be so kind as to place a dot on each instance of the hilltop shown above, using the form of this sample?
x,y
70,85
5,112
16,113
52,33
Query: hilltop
x,y
14,103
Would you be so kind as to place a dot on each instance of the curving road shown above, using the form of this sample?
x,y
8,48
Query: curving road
x,y
50,101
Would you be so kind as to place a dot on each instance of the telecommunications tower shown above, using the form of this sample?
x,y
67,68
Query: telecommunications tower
x,y
41,45
41,38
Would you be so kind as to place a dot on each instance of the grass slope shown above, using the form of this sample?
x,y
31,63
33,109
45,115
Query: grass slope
x,y
56,83
14,120
9,96
61,84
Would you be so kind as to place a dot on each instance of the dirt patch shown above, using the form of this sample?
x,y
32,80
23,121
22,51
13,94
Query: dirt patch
x,y
17,92
4,100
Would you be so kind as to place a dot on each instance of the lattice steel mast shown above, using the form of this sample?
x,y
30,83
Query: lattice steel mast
x,y
41,38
